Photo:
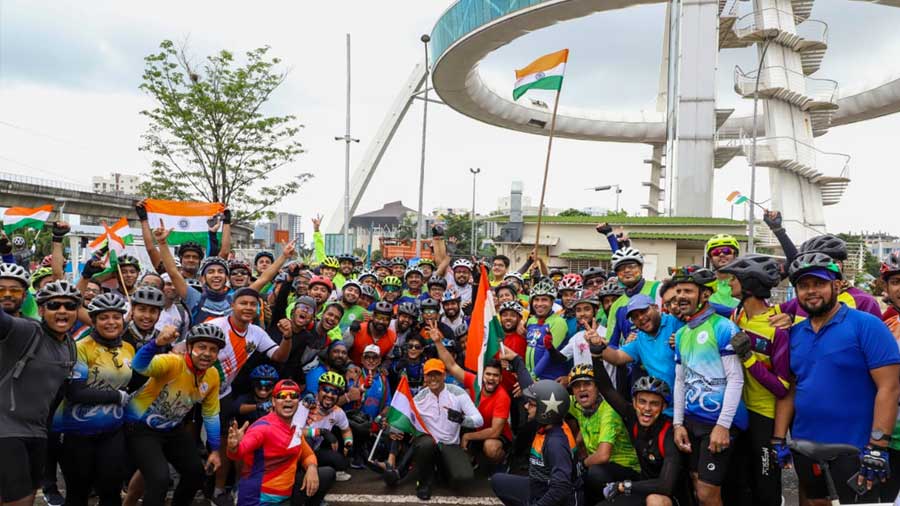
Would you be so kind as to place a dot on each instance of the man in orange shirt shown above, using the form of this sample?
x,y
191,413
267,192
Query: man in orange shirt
x,y
376,331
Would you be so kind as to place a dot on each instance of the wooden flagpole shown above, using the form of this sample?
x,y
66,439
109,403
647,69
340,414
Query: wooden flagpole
x,y
537,234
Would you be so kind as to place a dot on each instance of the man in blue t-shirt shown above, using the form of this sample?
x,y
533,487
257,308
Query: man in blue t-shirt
x,y
845,387
651,347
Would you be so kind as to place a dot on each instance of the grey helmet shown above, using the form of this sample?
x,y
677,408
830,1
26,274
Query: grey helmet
x,y
15,271
55,289
833,246
408,308
552,401
149,296
109,301
206,332
652,385
762,268
511,305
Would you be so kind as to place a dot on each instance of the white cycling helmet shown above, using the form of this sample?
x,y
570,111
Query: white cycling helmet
x,y
626,255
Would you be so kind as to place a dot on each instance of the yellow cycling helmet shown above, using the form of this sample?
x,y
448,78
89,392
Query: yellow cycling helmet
x,y
334,379
331,262
722,240
40,274
581,372
391,281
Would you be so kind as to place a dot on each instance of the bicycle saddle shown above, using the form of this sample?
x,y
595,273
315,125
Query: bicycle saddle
x,y
822,452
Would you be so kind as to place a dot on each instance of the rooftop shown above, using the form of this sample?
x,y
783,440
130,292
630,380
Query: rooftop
x,y
628,220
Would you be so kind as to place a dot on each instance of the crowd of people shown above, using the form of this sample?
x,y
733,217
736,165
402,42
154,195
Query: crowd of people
x,y
265,381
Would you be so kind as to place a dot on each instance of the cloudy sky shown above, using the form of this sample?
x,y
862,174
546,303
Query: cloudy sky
x,y
69,97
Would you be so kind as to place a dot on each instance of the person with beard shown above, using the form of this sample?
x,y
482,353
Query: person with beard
x,y
453,316
353,312
890,274
405,324
544,329
214,299
458,273
510,316
323,418
271,473
307,342
721,250
709,380
628,265
414,280
411,363
336,360
494,437
844,388
764,352
650,349
376,331
13,288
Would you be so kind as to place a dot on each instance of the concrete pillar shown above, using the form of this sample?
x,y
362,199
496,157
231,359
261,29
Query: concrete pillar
x,y
695,145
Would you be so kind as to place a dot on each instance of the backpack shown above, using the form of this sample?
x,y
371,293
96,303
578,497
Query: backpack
x,y
660,440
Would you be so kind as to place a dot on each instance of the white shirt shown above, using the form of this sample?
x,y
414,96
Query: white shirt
x,y
578,350
170,316
238,348
335,418
465,292
433,410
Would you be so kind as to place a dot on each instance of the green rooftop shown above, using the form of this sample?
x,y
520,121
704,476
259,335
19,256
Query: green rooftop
x,y
586,255
628,220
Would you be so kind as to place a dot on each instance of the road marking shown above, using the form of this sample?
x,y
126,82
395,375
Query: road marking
x,y
411,499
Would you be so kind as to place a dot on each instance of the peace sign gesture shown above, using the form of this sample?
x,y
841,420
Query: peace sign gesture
x,y
434,332
590,332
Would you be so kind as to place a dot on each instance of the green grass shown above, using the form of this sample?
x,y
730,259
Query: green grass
x,y
586,255
676,236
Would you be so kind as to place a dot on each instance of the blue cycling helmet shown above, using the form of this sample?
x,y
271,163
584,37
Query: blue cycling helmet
x,y
264,372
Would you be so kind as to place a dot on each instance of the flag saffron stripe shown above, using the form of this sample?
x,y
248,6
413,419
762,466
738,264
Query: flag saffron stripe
x,y
544,63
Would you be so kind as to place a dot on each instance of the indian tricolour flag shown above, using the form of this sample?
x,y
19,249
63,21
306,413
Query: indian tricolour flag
x,y
23,217
545,73
187,220
402,414
111,245
485,333
736,198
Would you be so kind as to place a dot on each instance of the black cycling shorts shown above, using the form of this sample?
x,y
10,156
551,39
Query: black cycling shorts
x,y
710,467
21,466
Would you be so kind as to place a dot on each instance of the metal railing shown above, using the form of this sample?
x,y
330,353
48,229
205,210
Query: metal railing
x,y
818,90
16,178
789,149
768,20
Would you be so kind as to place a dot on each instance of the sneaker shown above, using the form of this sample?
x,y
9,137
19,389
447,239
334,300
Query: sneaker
x,y
342,476
423,492
53,497
225,499
357,462
391,476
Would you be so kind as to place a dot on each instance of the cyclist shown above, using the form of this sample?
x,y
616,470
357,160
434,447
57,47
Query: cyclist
x,y
392,287
367,298
147,303
722,249
845,364
257,403
593,278
382,269
270,472
452,314
155,430
404,325
336,359
431,312
584,318
628,264
708,382
91,414
436,288
567,290
544,329
35,359
324,417
372,391
240,274
414,280
397,266
353,312
890,268
13,288
376,331
427,266
346,264
499,268
459,278
552,474
764,352
608,294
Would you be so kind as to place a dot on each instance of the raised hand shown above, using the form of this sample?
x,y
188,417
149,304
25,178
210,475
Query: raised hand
x,y
167,336
289,249
60,229
603,228
235,434
284,326
434,331
160,233
317,221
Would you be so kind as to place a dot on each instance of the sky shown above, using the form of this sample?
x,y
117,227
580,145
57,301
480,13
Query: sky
x,y
70,102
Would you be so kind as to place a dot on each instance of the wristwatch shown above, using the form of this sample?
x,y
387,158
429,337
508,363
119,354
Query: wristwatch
x,y
879,435
626,487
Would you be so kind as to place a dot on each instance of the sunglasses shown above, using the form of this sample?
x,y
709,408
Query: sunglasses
x,y
285,395
430,311
54,305
392,289
12,290
330,390
264,384
414,346
721,250
371,356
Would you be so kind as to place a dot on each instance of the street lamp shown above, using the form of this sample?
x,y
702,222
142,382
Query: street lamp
x,y
420,223
609,187
751,235
474,173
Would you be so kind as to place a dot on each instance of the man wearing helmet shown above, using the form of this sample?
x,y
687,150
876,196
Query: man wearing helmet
x,y
552,475
890,274
376,331
13,288
764,353
323,417
628,265
392,287
405,324
382,269
35,360
414,282
155,415
427,267
452,312
397,265
844,389
436,287
353,312
708,382
722,249
431,312
543,330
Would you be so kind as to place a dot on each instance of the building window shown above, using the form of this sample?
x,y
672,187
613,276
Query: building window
x,y
579,265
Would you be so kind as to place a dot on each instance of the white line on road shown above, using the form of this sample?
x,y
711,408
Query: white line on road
x,y
411,499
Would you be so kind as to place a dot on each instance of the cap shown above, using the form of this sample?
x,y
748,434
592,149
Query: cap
x,y
245,292
637,303
372,348
434,365
286,385
821,273
307,302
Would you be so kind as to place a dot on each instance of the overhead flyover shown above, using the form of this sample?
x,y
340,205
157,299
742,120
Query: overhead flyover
x,y
469,30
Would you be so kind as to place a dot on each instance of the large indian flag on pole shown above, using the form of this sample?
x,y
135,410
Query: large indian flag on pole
x,y
23,217
187,220
402,414
545,73
485,332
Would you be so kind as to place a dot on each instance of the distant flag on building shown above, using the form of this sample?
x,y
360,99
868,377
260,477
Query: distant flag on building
x,y
110,246
23,217
485,333
736,198
187,220
545,73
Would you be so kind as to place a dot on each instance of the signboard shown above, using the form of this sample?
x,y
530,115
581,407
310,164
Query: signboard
x,y
282,237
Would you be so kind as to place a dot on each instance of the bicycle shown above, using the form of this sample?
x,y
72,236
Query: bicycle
x,y
823,455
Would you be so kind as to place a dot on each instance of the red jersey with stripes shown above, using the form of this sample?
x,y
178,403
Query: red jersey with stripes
x,y
238,348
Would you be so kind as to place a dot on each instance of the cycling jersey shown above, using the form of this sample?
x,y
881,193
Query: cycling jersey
x,y
767,371
551,463
535,332
207,304
892,320
238,348
354,313
99,368
605,426
722,296
172,391
325,422
699,349
618,326
363,338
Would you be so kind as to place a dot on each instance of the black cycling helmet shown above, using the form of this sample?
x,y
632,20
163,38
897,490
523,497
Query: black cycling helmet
x,y
209,261
57,289
808,262
436,280
383,307
890,265
262,254
348,257
552,401
593,272
129,260
652,385
109,301
758,274
700,276
189,246
430,303
408,308
206,332
149,296
835,247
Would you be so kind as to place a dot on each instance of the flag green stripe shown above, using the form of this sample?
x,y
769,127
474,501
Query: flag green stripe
x,y
401,422
547,83
26,223
176,237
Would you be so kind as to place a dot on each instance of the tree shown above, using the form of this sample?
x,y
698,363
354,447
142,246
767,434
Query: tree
x,y
573,212
459,226
208,136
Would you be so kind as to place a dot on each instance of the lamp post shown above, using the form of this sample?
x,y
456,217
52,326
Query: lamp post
x,y
345,231
751,246
474,173
420,223
609,187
